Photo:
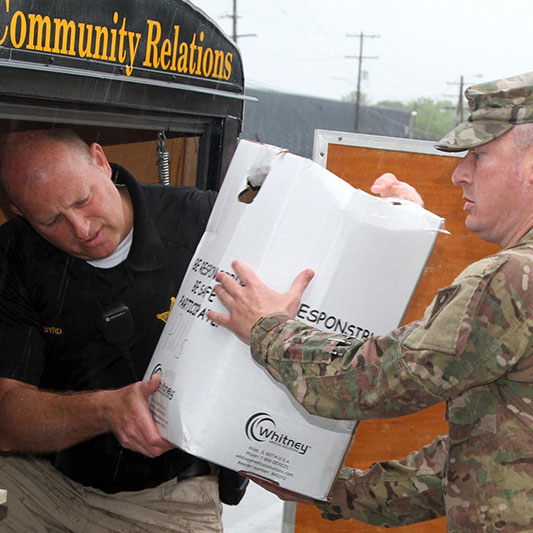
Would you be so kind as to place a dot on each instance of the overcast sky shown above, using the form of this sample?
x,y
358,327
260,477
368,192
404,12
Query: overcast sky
x,y
423,48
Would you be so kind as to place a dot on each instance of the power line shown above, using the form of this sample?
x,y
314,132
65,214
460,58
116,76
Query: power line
x,y
360,57
234,16
459,110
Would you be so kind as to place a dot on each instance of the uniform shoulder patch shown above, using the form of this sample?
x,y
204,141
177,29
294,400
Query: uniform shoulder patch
x,y
444,297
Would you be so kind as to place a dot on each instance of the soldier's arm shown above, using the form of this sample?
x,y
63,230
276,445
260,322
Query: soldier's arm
x,y
393,493
459,344
388,185
335,376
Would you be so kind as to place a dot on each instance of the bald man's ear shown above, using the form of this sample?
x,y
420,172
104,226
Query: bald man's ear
x,y
99,158
14,209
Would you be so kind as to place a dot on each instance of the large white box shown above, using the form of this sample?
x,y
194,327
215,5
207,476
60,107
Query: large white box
x,y
214,401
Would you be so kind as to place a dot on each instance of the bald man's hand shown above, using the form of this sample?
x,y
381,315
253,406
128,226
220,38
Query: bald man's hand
x,y
129,418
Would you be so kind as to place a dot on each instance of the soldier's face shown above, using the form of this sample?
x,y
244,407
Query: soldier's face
x,y
496,191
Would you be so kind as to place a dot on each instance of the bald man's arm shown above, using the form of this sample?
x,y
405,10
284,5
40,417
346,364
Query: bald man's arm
x,y
37,421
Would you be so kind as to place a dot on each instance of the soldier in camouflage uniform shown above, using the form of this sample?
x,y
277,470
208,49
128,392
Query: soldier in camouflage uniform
x,y
473,348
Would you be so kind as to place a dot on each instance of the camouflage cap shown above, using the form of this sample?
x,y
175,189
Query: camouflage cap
x,y
495,107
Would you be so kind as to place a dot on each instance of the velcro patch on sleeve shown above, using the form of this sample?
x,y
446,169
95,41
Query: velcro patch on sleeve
x,y
444,297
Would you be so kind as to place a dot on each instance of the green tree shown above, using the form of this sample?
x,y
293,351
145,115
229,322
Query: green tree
x,y
430,119
352,97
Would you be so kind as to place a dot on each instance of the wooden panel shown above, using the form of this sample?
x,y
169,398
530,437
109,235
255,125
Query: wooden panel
x,y
141,160
431,176
387,439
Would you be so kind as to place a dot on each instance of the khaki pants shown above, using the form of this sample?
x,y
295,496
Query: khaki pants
x,y
40,499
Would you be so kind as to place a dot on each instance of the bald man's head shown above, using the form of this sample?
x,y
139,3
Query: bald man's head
x,y
63,188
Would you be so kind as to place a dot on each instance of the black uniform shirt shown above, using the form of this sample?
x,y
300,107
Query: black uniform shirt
x,y
51,305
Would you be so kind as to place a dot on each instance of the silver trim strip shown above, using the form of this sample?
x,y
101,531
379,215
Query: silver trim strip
x,y
13,63
323,138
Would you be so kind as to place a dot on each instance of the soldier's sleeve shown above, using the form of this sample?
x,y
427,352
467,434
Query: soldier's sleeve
x,y
475,331
393,493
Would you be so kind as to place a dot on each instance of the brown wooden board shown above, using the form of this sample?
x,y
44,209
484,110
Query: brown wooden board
x,y
430,173
140,158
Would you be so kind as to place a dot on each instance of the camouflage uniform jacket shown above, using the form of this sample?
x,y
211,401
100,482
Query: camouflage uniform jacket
x,y
473,349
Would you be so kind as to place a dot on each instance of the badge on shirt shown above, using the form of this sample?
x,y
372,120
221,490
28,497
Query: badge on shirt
x,y
164,316
444,297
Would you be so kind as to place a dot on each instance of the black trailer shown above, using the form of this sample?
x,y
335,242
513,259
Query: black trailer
x,y
144,78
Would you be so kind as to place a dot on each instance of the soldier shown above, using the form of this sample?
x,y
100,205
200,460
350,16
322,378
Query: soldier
x,y
472,348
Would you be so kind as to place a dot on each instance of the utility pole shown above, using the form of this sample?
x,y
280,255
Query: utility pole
x,y
460,106
360,57
459,112
234,17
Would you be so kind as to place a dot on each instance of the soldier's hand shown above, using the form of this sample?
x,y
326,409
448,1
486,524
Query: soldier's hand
x,y
388,185
247,303
282,494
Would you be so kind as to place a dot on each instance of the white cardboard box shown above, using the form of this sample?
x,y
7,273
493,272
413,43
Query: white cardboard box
x,y
214,401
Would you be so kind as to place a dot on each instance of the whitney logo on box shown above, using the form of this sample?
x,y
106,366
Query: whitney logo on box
x,y
261,427
163,388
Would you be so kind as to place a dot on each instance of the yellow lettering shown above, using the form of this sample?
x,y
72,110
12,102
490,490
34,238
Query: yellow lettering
x,y
115,43
68,30
134,45
111,42
151,45
122,35
175,48
182,61
192,49
200,51
166,51
53,330
227,64
207,63
84,46
42,25
4,37
219,64
112,52
102,35
19,15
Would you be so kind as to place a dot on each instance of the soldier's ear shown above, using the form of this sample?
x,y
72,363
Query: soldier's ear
x,y
527,163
